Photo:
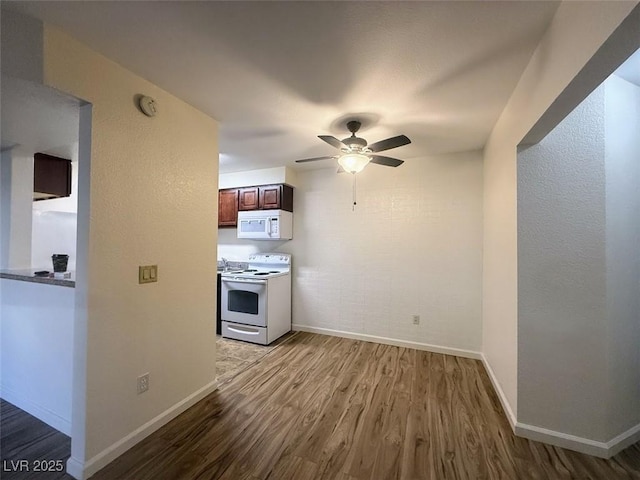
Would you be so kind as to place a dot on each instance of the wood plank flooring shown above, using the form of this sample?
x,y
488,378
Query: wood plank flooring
x,y
320,407
25,438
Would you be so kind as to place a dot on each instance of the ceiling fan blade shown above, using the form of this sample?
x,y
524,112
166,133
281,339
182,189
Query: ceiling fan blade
x,y
314,159
386,161
389,143
341,170
333,141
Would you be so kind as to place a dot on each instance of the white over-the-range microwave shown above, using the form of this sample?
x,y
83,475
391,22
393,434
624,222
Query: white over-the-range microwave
x,y
265,224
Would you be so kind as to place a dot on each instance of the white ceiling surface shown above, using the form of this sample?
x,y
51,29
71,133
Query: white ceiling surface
x,y
277,74
38,119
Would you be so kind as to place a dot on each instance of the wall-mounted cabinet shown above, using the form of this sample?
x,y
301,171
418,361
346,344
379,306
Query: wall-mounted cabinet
x,y
261,197
248,198
276,196
51,177
228,207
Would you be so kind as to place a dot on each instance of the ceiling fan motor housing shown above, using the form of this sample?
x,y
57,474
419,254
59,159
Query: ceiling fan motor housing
x,y
355,141
359,143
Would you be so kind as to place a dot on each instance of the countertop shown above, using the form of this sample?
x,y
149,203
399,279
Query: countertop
x,y
28,276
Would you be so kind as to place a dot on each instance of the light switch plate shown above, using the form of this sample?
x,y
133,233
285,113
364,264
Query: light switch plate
x,y
147,273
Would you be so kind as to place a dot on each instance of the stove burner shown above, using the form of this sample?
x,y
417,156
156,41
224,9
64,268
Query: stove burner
x,y
262,273
250,270
274,271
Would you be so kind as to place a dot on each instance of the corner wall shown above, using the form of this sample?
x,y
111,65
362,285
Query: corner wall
x,y
579,274
562,277
413,246
150,192
622,154
564,50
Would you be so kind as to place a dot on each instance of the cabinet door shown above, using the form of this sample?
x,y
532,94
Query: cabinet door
x,y
270,197
248,198
276,196
228,208
51,177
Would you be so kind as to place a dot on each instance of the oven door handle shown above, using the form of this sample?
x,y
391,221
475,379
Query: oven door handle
x,y
244,332
239,280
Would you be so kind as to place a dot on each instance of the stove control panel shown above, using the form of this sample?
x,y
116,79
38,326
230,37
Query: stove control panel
x,y
270,258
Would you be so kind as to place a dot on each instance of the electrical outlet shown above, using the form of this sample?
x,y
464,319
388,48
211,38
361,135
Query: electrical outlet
x,y
416,319
143,383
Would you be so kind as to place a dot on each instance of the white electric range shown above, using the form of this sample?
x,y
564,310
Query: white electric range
x,y
256,301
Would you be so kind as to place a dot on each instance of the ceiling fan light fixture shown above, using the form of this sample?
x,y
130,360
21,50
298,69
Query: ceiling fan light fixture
x,y
354,162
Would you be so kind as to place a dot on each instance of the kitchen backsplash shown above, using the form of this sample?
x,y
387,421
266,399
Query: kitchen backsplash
x,y
234,249
53,232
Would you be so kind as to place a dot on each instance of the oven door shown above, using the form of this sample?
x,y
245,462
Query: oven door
x,y
244,301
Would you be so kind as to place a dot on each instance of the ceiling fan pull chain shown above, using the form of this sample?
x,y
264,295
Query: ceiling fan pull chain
x,y
353,207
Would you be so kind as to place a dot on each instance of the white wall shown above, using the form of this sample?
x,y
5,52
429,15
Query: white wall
x,y
622,152
36,358
16,199
562,277
53,232
565,48
150,192
263,176
234,249
579,272
413,245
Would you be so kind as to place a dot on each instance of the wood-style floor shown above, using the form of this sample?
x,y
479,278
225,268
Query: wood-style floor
x,y
320,407
24,438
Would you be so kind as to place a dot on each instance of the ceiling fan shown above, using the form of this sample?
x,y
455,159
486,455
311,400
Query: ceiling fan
x,y
356,153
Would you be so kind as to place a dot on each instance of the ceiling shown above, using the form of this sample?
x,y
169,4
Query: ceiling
x,y
36,118
277,74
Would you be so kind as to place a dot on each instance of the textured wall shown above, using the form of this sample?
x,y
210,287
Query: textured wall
x,y
152,185
622,150
579,272
563,51
562,357
412,246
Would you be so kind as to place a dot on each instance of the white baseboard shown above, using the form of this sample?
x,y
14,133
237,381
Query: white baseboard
x,y
624,440
47,416
560,439
580,444
563,440
391,341
77,469
506,406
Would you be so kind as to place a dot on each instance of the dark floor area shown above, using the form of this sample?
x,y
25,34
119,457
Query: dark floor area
x,y
29,448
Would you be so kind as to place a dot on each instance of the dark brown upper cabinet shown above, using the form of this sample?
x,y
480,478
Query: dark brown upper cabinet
x,y
266,197
248,198
276,197
263,197
228,207
51,177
